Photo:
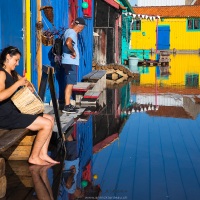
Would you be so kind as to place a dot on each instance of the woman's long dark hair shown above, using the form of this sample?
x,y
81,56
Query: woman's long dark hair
x,y
12,51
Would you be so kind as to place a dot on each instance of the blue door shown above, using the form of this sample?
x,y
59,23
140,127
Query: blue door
x,y
11,27
163,37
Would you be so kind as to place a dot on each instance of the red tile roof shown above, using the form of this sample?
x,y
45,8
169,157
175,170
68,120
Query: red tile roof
x,y
197,2
170,111
169,11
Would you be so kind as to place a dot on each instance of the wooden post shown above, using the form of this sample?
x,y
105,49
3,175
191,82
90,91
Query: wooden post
x,y
3,180
39,47
2,167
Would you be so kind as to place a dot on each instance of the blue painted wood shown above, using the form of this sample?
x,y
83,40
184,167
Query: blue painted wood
x,y
189,159
158,188
112,169
12,27
84,138
125,182
100,161
174,180
163,37
141,182
157,159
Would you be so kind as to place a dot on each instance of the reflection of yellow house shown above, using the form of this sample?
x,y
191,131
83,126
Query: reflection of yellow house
x,y
182,68
178,31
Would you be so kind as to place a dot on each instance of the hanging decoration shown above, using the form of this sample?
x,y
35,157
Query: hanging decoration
x,y
47,38
141,16
48,12
87,8
39,27
85,5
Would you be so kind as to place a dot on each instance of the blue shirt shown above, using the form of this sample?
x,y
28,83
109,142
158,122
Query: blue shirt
x,y
66,56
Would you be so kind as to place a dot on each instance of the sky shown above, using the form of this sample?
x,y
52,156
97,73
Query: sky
x,y
133,2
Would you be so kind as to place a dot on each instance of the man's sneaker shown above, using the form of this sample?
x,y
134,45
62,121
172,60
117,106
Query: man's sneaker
x,y
74,107
69,109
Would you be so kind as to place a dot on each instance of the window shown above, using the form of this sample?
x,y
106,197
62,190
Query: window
x,y
193,24
196,24
192,80
136,25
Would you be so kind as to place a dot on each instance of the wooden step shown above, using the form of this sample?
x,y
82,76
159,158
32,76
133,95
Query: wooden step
x,y
94,76
92,94
81,87
86,102
75,115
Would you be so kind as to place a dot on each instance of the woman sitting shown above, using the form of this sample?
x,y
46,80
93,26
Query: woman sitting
x,y
12,118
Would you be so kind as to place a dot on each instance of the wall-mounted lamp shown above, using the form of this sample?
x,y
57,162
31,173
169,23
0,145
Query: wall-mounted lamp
x,y
87,8
84,5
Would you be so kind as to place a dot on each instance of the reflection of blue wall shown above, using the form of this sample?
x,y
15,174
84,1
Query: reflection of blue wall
x,y
84,137
125,96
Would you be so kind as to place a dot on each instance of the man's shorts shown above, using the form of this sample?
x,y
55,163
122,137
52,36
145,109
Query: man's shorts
x,y
70,73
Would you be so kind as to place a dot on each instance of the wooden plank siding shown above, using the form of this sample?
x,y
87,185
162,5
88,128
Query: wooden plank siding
x,y
106,46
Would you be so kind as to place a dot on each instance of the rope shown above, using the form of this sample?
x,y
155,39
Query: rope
x,y
45,23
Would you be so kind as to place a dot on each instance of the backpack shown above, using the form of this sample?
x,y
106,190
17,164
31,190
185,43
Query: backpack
x,y
57,49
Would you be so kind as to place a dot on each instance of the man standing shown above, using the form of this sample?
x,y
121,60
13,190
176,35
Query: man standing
x,y
70,60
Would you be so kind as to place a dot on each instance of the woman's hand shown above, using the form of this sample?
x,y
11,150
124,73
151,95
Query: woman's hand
x,y
25,82
30,86
22,81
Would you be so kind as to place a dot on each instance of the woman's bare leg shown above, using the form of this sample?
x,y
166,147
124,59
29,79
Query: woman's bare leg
x,y
44,151
44,128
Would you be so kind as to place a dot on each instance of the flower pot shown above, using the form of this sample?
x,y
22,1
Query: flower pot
x,y
133,64
47,40
48,12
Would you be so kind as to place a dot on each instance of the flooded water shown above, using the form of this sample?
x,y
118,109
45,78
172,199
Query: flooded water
x,y
141,143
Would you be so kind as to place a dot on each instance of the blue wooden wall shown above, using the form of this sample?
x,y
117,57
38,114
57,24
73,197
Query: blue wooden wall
x,y
60,10
11,27
12,30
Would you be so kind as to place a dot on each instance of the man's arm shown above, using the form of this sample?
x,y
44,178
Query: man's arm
x,y
69,43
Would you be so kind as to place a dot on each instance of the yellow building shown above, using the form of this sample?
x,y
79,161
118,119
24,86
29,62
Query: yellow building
x,y
178,28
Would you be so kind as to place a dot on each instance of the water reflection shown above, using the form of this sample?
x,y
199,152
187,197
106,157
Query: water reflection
x,y
41,182
157,153
142,142
70,171
183,70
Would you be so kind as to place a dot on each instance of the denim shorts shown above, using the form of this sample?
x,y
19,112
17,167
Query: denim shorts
x,y
70,73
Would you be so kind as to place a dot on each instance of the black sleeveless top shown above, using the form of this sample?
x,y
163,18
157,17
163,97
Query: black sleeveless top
x,y
10,116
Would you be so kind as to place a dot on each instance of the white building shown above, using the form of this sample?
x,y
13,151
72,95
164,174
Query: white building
x,y
160,2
